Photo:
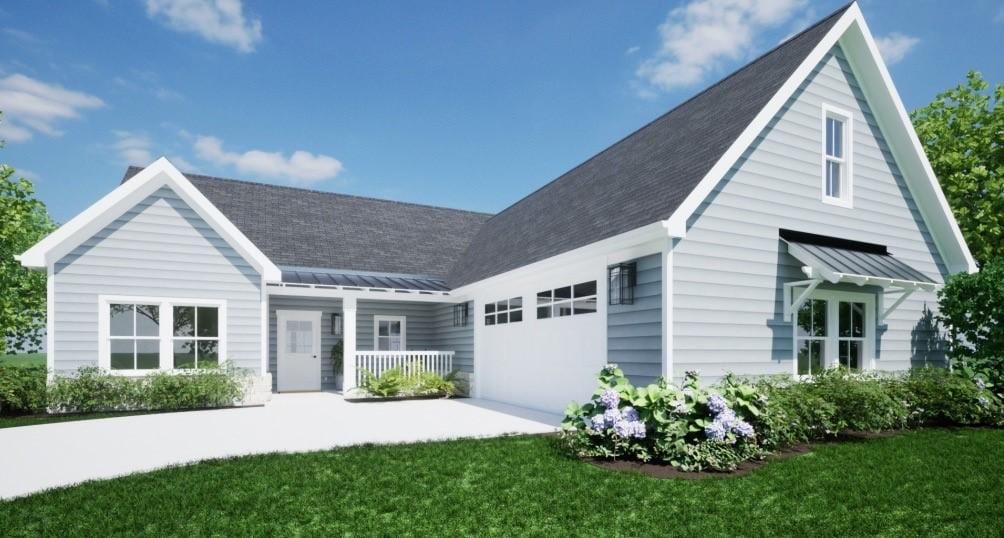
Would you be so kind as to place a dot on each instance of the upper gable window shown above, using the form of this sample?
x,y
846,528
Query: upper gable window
x,y
837,174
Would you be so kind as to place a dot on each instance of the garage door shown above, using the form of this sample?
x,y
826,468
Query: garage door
x,y
542,363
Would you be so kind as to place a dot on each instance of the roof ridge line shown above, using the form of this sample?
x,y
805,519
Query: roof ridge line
x,y
327,193
681,104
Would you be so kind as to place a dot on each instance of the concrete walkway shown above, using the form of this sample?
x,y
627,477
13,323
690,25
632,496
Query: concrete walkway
x,y
34,458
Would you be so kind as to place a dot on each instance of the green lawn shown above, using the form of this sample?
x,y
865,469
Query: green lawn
x,y
24,359
34,420
934,482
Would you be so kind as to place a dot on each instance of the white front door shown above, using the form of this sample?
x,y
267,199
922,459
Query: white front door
x,y
298,343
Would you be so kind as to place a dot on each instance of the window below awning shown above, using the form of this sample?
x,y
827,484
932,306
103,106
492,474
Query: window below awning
x,y
837,261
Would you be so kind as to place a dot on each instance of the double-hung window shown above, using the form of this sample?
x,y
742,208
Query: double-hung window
x,y
834,328
196,336
390,333
134,336
837,145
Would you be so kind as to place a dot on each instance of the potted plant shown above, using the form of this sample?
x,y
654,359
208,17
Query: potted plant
x,y
337,365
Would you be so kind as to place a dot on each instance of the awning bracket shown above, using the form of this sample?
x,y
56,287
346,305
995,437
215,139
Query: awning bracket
x,y
789,306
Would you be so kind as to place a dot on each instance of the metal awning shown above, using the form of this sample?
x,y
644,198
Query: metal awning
x,y
334,279
835,260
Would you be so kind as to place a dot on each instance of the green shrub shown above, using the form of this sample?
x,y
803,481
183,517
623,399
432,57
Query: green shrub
x,y
94,390
972,309
416,381
210,387
862,402
22,389
794,413
941,397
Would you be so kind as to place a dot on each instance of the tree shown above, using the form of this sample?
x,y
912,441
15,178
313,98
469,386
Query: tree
x,y
22,292
962,131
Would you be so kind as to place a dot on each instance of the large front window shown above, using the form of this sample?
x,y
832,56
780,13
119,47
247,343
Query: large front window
x,y
833,329
142,334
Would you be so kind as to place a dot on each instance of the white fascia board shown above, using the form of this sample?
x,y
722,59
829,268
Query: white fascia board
x,y
274,290
103,212
862,52
897,129
634,243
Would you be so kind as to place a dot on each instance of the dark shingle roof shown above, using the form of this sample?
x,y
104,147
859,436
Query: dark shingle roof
x,y
640,180
306,228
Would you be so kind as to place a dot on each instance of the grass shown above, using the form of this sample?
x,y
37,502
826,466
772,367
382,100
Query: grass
x,y
34,420
930,482
23,359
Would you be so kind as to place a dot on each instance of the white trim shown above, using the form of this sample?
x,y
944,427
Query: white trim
x,y
349,345
846,198
477,366
832,298
667,310
404,331
304,290
862,53
166,335
103,212
50,321
263,300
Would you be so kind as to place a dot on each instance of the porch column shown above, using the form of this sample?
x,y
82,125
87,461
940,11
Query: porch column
x,y
348,344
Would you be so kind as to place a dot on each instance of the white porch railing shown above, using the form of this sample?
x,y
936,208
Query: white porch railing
x,y
410,362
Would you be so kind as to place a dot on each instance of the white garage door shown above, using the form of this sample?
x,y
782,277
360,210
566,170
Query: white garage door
x,y
542,363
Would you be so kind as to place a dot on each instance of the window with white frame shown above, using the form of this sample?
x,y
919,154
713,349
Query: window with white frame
x,y
389,333
196,338
834,329
141,334
567,301
504,311
837,145
134,336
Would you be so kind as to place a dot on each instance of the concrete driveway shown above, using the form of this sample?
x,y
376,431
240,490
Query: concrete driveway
x,y
34,458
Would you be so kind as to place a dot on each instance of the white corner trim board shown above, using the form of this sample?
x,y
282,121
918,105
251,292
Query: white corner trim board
x,y
103,212
852,33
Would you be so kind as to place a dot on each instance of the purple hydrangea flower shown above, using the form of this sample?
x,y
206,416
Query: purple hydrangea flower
x,y
623,428
743,428
611,416
980,384
717,404
597,422
715,431
610,398
727,418
984,402
639,430
630,414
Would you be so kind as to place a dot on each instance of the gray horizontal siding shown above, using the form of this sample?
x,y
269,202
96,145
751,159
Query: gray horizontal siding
x,y
458,339
634,331
159,248
420,326
729,270
328,340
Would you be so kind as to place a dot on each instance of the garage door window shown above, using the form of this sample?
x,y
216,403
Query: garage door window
x,y
504,311
567,301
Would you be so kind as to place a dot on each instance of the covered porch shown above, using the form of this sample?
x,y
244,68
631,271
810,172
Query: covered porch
x,y
367,323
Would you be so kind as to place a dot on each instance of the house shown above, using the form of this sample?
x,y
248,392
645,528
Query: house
x,y
782,221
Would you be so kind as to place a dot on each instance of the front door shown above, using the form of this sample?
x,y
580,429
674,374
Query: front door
x,y
298,344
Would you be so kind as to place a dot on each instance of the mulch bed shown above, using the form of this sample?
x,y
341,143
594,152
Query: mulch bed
x,y
666,471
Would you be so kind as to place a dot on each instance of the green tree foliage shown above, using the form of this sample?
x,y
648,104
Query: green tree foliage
x,y
962,131
22,292
972,309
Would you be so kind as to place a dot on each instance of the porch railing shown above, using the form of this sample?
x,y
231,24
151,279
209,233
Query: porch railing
x,y
410,362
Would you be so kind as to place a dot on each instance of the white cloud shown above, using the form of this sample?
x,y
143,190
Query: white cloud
x,y
895,46
133,148
300,167
31,106
632,50
999,17
217,21
698,38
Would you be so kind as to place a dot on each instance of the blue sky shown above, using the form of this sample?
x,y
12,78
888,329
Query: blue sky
x,y
460,104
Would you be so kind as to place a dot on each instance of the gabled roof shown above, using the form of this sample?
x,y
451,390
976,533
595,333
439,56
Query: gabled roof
x,y
640,180
161,173
307,228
